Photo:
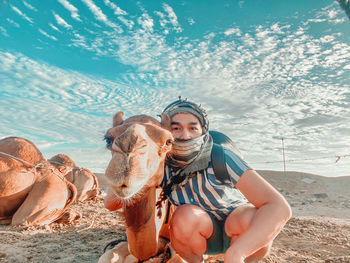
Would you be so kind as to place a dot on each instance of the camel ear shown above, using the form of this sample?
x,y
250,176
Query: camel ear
x,y
165,121
118,118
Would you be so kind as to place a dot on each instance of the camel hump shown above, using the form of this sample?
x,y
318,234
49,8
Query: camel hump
x,y
20,148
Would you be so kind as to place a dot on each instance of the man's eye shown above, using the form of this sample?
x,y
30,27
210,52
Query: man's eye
x,y
175,128
194,128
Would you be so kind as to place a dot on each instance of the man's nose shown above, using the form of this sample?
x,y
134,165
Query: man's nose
x,y
185,135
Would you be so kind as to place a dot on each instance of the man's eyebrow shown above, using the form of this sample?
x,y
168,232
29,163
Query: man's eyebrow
x,y
178,123
193,123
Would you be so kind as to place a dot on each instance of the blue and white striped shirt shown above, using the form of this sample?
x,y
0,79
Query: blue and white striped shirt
x,y
209,193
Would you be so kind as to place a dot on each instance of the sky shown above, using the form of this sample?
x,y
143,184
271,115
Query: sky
x,y
264,70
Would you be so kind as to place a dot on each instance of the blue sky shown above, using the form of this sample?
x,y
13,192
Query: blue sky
x,y
263,70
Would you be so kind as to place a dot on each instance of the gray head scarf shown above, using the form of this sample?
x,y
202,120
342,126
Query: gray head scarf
x,y
189,156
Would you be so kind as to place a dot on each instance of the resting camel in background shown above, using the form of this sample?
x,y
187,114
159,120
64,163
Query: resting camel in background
x,y
83,179
139,146
32,191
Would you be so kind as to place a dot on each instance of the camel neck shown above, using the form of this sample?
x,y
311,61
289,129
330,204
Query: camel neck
x,y
139,213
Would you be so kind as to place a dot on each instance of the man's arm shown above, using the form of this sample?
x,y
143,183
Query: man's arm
x,y
272,214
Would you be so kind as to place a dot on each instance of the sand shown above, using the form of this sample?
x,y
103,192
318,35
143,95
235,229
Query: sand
x,y
319,230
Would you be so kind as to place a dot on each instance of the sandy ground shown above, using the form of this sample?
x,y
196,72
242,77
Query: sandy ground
x,y
319,230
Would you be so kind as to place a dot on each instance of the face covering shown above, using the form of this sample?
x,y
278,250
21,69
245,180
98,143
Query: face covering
x,y
185,151
189,156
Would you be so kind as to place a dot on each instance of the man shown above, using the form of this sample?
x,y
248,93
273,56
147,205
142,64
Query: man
x,y
239,219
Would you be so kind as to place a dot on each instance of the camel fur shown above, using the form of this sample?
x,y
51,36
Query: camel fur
x,y
138,146
32,191
83,179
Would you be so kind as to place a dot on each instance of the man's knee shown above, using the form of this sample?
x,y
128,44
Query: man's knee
x,y
260,254
239,220
189,220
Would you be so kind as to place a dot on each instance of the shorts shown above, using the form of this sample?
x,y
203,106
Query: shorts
x,y
219,242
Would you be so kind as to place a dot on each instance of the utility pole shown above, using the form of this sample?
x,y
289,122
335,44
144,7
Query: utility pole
x,y
284,157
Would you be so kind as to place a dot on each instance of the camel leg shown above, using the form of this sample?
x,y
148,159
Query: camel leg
x,y
14,188
46,202
119,254
5,220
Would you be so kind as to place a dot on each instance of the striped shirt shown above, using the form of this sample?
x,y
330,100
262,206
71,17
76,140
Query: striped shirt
x,y
209,193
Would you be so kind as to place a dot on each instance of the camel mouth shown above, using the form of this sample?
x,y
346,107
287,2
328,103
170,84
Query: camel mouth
x,y
128,192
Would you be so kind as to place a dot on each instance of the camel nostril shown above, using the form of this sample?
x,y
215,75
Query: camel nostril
x,y
124,186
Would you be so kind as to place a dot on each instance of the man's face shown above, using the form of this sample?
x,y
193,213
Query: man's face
x,y
185,126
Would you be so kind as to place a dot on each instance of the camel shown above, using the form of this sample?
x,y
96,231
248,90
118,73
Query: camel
x,y
139,146
32,191
83,179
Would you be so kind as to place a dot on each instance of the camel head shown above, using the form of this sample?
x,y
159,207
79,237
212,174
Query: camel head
x,y
83,179
63,163
139,146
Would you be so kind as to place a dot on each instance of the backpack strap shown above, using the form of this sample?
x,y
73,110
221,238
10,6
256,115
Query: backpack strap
x,y
219,164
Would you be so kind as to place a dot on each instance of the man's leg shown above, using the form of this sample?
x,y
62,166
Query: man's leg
x,y
190,227
238,222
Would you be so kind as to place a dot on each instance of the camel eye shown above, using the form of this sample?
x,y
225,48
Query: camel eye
x,y
109,142
168,142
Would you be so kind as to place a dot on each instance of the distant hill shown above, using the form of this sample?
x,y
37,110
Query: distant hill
x,y
295,182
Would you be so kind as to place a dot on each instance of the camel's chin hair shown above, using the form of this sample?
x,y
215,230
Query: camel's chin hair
x,y
132,198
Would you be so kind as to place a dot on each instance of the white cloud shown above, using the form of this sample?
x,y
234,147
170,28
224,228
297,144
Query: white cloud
x,y
3,31
47,35
332,13
146,22
116,9
72,9
99,15
329,14
168,19
127,22
258,85
80,41
172,17
191,21
231,31
13,22
19,12
30,6
53,27
61,21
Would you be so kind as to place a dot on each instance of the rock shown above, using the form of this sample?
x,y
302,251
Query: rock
x,y
307,180
321,195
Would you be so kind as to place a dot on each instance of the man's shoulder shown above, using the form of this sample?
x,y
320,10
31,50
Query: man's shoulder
x,y
232,155
235,163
